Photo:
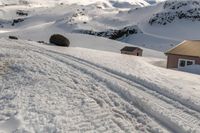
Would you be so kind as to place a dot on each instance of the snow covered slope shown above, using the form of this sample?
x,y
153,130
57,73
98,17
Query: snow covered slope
x,y
161,25
115,3
86,41
174,19
54,89
96,17
171,20
90,87
154,1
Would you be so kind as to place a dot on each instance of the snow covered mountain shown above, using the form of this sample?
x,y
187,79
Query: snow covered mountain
x,y
112,19
178,19
154,1
115,3
177,10
90,86
106,17
97,17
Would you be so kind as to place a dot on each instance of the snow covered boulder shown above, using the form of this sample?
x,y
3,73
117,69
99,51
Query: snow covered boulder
x,y
59,40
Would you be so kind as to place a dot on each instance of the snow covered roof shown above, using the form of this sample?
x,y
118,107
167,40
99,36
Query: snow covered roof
x,y
187,48
130,49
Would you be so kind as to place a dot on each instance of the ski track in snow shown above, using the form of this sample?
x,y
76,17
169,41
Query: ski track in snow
x,y
178,115
89,97
84,105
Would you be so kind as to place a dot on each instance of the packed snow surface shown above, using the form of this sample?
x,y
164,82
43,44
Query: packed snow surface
x,y
192,69
90,86
54,89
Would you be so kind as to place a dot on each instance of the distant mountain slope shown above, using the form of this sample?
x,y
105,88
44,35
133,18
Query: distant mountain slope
x,y
4,2
115,3
154,1
174,19
160,26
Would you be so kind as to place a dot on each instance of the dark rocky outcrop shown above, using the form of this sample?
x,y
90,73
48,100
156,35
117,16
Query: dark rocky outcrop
x,y
177,10
113,34
21,13
15,21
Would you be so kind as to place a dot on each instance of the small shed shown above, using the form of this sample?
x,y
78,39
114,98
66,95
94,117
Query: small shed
x,y
132,51
185,54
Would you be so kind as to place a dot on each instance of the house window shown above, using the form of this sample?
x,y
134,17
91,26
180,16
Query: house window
x,y
182,63
189,63
185,62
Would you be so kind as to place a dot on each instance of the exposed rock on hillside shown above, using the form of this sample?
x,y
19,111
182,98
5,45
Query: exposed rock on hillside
x,y
113,34
177,10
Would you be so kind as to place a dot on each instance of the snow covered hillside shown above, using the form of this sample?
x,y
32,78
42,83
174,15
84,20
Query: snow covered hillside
x,y
187,10
93,17
116,3
160,26
154,1
51,89
90,86
174,19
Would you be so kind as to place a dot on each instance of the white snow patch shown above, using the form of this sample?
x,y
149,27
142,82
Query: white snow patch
x,y
192,69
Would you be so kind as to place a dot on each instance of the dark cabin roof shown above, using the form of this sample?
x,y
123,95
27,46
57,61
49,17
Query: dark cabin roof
x,y
130,49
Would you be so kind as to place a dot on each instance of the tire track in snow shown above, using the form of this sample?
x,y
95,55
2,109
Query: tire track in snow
x,y
131,117
172,100
149,124
93,116
170,120
170,116
184,105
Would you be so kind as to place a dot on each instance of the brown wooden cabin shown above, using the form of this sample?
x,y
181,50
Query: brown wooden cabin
x,y
132,51
185,54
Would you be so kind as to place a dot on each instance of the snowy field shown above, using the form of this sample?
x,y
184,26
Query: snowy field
x,y
91,87
51,89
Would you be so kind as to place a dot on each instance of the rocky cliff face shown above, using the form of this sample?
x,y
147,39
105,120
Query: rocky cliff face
x,y
177,10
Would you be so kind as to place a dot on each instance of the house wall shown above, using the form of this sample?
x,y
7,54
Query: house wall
x,y
172,60
133,53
